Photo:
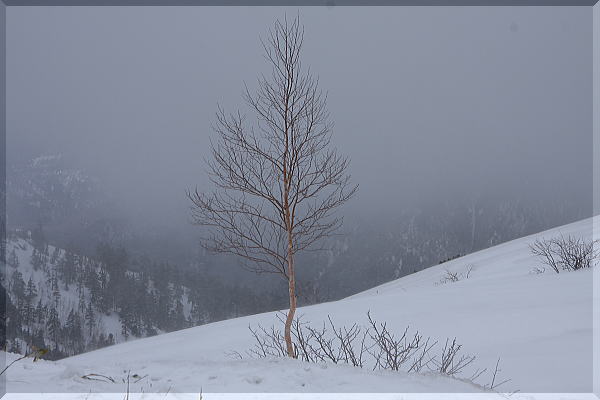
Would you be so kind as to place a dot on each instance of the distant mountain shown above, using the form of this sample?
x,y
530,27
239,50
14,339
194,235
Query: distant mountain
x,y
44,190
66,203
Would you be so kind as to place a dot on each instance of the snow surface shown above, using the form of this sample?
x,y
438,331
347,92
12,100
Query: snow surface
x,y
539,325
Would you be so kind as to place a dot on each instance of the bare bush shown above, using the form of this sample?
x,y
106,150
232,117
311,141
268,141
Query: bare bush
x,y
470,269
347,345
351,345
566,253
450,362
328,343
391,351
495,383
347,338
421,357
450,277
374,346
269,343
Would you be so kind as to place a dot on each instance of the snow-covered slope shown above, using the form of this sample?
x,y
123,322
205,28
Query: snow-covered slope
x,y
539,325
64,299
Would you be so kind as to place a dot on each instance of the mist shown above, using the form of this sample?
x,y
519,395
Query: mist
x,y
449,105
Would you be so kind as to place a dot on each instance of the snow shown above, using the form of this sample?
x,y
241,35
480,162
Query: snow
x,y
302,396
539,325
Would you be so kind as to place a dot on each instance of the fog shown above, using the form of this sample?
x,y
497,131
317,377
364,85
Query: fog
x,y
430,104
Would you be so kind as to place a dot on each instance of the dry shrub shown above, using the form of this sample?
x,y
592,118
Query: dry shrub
x,y
565,253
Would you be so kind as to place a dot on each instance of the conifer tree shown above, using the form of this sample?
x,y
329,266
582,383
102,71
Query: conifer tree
x,y
13,259
53,326
73,331
90,318
17,287
55,256
31,291
36,259
55,289
40,312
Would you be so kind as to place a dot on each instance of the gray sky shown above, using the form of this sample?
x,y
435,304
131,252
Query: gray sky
x,y
430,102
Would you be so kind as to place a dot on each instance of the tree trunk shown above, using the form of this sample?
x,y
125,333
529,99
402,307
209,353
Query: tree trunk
x,y
292,293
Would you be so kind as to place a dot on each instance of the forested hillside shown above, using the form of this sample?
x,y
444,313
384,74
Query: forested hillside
x,y
69,303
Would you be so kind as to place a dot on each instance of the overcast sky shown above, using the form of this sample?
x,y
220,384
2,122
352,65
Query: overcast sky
x,y
429,103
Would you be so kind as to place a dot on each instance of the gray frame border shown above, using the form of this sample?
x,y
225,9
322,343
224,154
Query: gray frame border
x,y
596,191
2,188
328,3
595,10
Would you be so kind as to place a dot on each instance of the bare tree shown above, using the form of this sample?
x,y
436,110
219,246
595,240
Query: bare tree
x,y
278,181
